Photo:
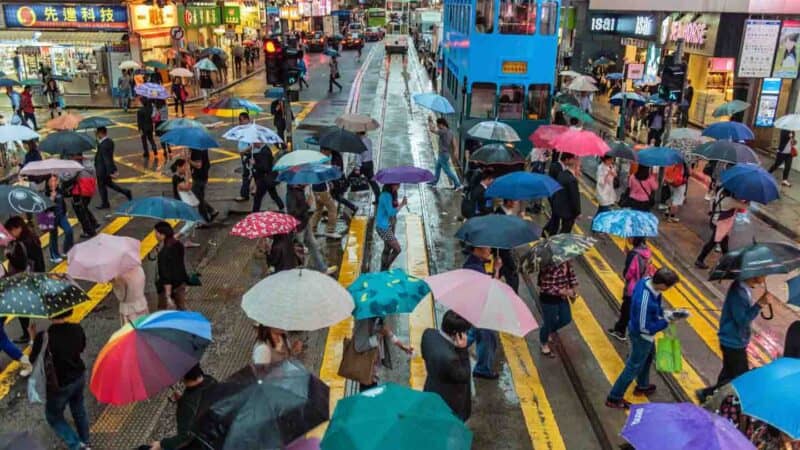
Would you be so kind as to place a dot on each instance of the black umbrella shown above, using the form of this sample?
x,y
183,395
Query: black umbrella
x,y
727,151
66,143
19,440
498,231
341,140
94,122
492,154
265,407
621,150
39,295
19,200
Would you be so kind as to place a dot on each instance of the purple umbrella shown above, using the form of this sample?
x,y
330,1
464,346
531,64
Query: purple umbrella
x,y
681,426
152,90
403,174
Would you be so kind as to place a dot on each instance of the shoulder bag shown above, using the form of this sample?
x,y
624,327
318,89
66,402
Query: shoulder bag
x,y
357,366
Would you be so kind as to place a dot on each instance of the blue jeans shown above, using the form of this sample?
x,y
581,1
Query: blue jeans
x,y
72,395
443,163
637,367
556,316
486,349
69,238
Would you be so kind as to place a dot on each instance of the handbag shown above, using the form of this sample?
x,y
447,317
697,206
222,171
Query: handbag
x,y
43,379
793,152
46,220
357,366
189,198
358,183
668,352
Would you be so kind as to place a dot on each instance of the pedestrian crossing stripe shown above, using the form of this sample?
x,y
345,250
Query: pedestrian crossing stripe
x,y
423,315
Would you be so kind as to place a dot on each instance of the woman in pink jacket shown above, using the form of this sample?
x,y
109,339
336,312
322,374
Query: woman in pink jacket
x,y
637,266
642,186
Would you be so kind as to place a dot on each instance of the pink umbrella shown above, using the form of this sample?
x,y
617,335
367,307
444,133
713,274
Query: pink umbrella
x,y
103,257
264,224
544,135
5,236
51,166
482,300
580,143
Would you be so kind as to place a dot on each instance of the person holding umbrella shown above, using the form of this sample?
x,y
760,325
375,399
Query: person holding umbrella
x,y
606,194
486,341
264,176
83,187
23,254
144,122
723,214
334,74
106,169
787,151
55,191
566,202
557,289
642,186
297,205
447,363
283,253
638,265
365,165
272,345
388,207
172,277
200,166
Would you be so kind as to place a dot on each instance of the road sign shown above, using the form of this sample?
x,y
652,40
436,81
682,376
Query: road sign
x,y
176,33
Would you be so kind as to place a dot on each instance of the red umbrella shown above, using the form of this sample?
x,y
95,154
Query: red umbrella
x,y
580,143
544,135
264,224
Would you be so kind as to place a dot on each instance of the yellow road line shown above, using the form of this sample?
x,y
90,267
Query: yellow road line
x,y
156,178
349,270
423,316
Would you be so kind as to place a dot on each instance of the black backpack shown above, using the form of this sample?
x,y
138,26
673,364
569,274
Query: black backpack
x,y
468,205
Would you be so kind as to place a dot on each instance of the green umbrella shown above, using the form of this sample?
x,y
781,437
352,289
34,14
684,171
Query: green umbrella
x,y
577,113
554,250
397,418
172,124
94,122
727,109
156,64
566,99
39,295
377,294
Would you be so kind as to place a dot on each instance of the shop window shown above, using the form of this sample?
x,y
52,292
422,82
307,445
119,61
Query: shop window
x,y
484,16
511,98
549,23
517,16
538,103
483,99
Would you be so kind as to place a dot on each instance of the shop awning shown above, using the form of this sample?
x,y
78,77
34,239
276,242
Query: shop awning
x,y
62,37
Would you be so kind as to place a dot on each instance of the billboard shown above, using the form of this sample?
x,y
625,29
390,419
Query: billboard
x,y
786,59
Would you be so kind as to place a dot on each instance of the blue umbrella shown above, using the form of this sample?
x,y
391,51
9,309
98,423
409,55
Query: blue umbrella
x,y
6,82
159,208
195,138
656,100
213,50
733,131
378,294
434,102
498,231
275,92
659,157
615,76
750,182
311,140
769,393
331,52
310,174
626,223
523,186
617,99
794,291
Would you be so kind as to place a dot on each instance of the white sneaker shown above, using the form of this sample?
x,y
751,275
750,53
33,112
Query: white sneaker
x,y
333,235
786,183
331,270
707,197
27,367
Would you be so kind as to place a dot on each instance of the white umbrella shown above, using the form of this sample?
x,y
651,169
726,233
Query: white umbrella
x,y
181,72
51,166
569,73
494,130
357,123
125,65
685,133
300,157
789,122
11,133
251,134
298,300
582,84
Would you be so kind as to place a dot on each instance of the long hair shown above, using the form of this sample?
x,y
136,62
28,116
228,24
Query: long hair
x,y
27,234
167,231
642,173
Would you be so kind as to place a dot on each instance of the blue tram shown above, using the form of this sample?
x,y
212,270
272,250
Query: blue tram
x,y
499,62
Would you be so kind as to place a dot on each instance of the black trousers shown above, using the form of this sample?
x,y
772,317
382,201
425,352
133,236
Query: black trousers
x,y
368,170
84,214
199,191
32,118
654,135
182,104
106,182
786,160
266,186
331,82
709,245
147,136
624,315
734,363
558,225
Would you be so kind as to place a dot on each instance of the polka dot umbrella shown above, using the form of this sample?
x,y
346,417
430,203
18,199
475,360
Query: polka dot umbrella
x,y
264,224
39,295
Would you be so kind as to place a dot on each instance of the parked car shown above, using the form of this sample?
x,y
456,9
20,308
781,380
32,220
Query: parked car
x,y
373,34
316,43
353,40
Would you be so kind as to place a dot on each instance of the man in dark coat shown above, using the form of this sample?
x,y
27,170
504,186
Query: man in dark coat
x,y
106,169
483,206
144,123
190,408
509,269
566,202
447,363
265,178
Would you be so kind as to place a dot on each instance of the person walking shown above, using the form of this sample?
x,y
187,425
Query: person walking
x,y
13,352
324,202
198,392
129,290
28,108
791,347
180,95
334,74
486,341
297,205
475,202
273,345
265,178
557,289
171,280
677,178
638,265
509,269
339,186
54,99
245,155
566,202
55,191
144,123
16,100
642,186
279,118
787,151
447,363
655,125
284,253
303,68
83,187
200,167
606,194
385,221
106,169
446,145
24,254
206,85
723,215
647,318
65,342
124,90
374,333
161,115
182,191
365,166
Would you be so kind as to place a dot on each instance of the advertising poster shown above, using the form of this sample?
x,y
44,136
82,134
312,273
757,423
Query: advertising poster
x,y
758,48
786,59
47,15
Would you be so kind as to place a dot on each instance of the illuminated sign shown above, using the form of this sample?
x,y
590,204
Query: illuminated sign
x,y
692,33
199,16
515,67
642,25
46,15
145,17
231,15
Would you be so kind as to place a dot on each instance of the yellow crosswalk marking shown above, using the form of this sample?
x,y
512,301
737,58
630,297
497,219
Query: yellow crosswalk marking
x,y
423,315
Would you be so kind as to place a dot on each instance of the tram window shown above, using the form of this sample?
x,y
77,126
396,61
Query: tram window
x,y
549,18
510,106
483,99
517,17
538,101
484,16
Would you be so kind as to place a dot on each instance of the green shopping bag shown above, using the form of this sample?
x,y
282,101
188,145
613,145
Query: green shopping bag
x,y
668,352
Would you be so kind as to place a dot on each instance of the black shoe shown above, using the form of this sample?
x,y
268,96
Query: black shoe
x,y
145,155
647,390
618,404
492,376
24,339
103,207
620,335
128,195
701,265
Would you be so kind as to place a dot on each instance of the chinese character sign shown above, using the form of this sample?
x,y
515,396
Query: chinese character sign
x,y
97,17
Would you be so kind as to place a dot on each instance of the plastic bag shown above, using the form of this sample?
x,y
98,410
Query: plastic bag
x,y
37,382
668,352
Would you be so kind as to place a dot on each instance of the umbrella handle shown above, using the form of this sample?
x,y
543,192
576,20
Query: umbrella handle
x,y
771,313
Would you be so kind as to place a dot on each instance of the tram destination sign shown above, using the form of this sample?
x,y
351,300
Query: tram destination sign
x,y
514,67
54,15
638,25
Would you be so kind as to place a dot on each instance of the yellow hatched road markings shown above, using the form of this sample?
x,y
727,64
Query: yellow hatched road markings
x,y
423,316
45,238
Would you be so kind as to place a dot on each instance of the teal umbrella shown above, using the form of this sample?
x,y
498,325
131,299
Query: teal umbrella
x,y
397,418
377,294
577,113
94,122
156,64
730,108
172,124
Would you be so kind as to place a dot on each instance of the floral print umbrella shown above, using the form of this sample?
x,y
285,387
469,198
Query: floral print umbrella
x,y
264,224
626,223
39,295
552,251
377,294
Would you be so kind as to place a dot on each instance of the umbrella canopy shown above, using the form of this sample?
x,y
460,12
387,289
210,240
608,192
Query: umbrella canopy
x,y
484,301
582,84
51,166
39,295
727,151
312,140
299,158
769,393
544,134
155,64
68,121
569,73
330,52
794,291
758,259
148,355
565,98
577,113
231,107
626,223
66,143
655,99
554,250
733,131
789,122
172,124
681,426
160,208
274,92
403,174
341,140
659,157
11,133
615,76
208,121
304,444
395,417
310,174
16,200
603,61
621,150
377,294
103,257
127,65
194,138
152,90
214,51
8,82
19,440
251,134
264,224
523,186
492,154
94,122
685,133
493,130
434,102
750,182
205,64
498,231
580,143
357,123
299,300
181,72
626,97
266,407
730,108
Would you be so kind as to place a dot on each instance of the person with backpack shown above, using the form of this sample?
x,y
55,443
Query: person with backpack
x,y
638,265
475,202
642,186
723,215
677,178
82,188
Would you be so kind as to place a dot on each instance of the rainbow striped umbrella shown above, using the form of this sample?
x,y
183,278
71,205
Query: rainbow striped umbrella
x,y
149,354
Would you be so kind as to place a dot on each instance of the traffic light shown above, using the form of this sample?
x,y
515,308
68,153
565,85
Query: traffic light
x,y
673,78
292,72
275,61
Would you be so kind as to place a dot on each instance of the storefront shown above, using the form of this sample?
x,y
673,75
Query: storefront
x,y
250,20
198,21
291,16
150,26
621,37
